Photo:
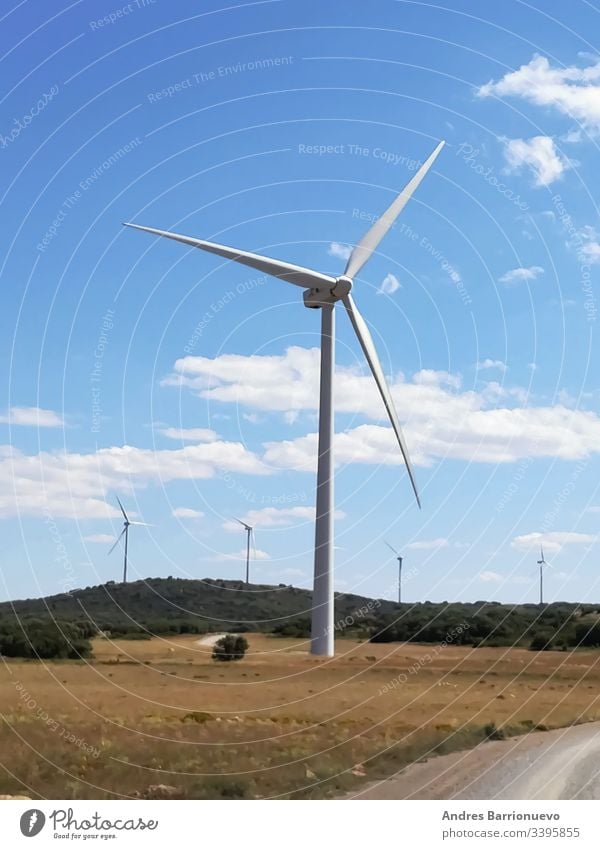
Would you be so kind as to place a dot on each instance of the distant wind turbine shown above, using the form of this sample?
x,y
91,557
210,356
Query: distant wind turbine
x,y
323,292
125,533
249,535
542,563
399,559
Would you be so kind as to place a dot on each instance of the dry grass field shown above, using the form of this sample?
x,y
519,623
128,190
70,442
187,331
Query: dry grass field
x,y
277,724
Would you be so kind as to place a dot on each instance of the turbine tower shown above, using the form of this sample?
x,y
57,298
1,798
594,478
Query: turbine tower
x,y
249,534
399,559
323,292
125,533
541,563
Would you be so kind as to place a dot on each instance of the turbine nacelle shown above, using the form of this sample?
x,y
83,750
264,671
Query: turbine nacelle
x,y
319,297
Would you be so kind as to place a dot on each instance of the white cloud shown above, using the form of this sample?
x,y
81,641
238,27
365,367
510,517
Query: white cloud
x,y
587,244
32,417
572,137
572,91
62,484
492,364
493,393
339,250
490,577
187,513
257,554
190,434
516,275
430,377
389,285
275,383
429,544
441,420
551,541
253,418
105,539
540,155
502,435
277,517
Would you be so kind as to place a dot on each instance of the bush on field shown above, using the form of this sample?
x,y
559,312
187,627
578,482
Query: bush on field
x,y
230,647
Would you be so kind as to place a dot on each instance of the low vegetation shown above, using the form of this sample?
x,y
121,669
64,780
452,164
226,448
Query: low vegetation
x,y
45,638
178,606
230,647
59,626
553,626
172,606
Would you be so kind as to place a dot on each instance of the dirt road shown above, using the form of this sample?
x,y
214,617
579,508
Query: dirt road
x,y
561,764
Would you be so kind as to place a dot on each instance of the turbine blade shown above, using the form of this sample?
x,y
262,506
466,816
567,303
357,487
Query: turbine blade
x,y
296,274
122,508
375,234
116,542
391,547
253,543
366,342
143,524
243,524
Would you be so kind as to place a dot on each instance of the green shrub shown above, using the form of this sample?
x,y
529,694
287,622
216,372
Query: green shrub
x,y
492,732
230,647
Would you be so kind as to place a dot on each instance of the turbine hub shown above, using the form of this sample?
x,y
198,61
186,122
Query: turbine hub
x,y
342,287
320,297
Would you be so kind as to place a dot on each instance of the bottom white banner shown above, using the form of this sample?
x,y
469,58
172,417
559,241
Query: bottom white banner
x,y
269,824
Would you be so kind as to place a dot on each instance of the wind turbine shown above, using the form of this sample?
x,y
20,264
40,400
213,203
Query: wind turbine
x,y
323,292
125,533
399,559
249,534
541,563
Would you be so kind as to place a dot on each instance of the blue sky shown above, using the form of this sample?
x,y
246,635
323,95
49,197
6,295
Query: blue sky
x,y
187,385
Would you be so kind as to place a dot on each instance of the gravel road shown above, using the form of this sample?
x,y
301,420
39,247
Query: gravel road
x,y
561,764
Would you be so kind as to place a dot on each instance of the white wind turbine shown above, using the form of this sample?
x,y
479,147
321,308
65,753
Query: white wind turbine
x,y
249,536
323,292
125,533
542,563
399,558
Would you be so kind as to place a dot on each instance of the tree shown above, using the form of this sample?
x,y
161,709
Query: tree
x,y
230,647
37,638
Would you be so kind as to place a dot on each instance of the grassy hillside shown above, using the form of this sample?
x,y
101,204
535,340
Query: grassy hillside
x,y
174,605
204,605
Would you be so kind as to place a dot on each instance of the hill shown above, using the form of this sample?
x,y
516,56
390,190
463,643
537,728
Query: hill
x,y
174,604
